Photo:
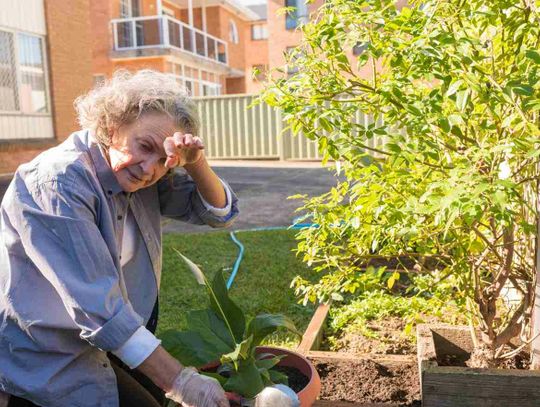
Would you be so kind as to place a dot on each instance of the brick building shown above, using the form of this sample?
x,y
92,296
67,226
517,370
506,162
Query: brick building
x,y
202,42
44,66
51,51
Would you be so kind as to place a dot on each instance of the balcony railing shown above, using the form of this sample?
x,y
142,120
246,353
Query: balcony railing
x,y
166,32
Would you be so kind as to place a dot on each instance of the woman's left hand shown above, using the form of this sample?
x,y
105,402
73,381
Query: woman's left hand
x,y
182,149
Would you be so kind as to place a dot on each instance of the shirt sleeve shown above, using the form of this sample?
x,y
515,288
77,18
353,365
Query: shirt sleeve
x,y
223,212
58,229
137,348
179,199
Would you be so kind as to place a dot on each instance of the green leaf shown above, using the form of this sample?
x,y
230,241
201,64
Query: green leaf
x,y
278,377
269,362
455,120
242,350
211,328
524,90
444,124
462,98
453,88
247,381
223,306
264,324
189,348
533,54
228,311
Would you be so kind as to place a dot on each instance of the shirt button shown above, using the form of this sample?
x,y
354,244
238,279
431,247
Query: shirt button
x,y
109,192
119,217
105,365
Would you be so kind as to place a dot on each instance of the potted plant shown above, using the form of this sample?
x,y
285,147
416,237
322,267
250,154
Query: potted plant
x,y
224,345
434,125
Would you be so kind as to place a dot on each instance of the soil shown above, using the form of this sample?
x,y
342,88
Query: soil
x,y
365,381
520,361
389,340
297,380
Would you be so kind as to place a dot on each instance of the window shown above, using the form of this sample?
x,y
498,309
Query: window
x,y
189,86
259,72
259,32
198,82
129,8
23,86
297,16
233,32
211,89
9,98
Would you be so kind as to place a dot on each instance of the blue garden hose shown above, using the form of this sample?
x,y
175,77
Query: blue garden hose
x,y
241,246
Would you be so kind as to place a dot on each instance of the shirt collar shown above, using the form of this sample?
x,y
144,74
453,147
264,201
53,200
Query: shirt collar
x,y
104,172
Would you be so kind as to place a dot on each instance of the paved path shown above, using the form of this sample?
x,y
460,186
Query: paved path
x,y
262,193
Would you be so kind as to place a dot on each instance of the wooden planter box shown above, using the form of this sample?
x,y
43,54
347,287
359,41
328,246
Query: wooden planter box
x,y
452,386
310,345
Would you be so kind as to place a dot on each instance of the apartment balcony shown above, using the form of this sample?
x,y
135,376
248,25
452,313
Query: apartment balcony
x,y
154,35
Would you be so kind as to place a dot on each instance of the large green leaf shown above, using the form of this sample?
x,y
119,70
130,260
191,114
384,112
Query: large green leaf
x,y
247,381
189,348
211,328
264,324
225,308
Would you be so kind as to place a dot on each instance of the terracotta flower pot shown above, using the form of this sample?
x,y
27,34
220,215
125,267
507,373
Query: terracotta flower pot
x,y
308,394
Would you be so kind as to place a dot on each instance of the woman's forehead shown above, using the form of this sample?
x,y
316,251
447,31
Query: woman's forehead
x,y
159,125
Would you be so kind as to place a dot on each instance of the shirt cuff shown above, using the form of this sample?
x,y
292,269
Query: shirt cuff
x,y
219,211
137,348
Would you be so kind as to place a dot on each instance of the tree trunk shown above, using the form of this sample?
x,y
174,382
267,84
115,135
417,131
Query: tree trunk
x,y
535,346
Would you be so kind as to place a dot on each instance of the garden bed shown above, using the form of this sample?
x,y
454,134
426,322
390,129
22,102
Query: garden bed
x,y
458,385
386,380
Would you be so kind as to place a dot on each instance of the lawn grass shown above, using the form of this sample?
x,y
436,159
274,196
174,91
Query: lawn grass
x,y
261,285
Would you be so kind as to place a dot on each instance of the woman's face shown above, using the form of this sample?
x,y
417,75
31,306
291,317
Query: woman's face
x,y
136,153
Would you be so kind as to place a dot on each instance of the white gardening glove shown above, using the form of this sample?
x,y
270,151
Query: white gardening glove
x,y
278,395
190,389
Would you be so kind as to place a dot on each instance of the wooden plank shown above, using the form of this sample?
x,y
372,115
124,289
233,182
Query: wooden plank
x,y
449,387
386,360
313,335
330,403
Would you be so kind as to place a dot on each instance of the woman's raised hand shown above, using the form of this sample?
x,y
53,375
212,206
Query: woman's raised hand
x,y
182,149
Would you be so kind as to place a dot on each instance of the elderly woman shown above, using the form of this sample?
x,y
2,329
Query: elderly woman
x,y
80,251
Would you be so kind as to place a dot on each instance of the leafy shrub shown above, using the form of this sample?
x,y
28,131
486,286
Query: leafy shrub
x,y
449,164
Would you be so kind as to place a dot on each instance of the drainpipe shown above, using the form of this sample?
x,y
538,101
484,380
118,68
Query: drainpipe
x,y
190,18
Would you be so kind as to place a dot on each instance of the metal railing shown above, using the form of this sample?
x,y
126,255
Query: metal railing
x,y
233,131
163,31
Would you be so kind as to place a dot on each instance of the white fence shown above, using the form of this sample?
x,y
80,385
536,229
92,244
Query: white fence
x,y
232,130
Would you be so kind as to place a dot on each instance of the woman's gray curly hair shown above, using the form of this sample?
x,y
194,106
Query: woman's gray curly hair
x,y
125,97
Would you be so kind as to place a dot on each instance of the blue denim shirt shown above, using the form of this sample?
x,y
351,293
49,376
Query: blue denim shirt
x,y
64,298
